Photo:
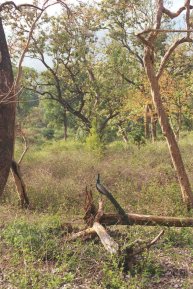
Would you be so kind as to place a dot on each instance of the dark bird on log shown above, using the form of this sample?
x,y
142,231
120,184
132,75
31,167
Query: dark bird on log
x,y
105,192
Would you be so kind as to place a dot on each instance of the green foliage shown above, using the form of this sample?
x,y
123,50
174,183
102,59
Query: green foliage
x,y
93,140
34,240
179,238
48,133
113,277
137,134
31,245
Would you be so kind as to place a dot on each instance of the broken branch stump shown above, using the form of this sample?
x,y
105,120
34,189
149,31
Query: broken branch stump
x,y
110,245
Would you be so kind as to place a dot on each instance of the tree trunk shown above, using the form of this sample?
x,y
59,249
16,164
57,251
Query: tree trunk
x,y
65,124
153,127
146,121
179,124
123,133
145,220
7,110
167,131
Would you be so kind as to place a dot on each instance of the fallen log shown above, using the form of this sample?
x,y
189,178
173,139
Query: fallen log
x,y
110,245
123,218
147,220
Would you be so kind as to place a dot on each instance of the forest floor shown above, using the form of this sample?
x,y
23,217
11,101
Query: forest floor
x,y
34,250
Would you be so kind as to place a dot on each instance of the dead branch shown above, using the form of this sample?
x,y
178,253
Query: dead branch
x,y
82,234
147,245
90,208
110,245
26,147
132,253
100,211
146,220
19,183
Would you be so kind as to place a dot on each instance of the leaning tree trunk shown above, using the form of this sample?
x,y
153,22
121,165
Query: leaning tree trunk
x,y
7,110
167,131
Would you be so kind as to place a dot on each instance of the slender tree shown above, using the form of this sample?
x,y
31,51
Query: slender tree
x,y
148,38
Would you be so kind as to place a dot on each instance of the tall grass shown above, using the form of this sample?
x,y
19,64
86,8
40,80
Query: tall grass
x,y
143,180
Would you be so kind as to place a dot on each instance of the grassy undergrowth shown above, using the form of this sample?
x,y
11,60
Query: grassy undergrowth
x,y
32,242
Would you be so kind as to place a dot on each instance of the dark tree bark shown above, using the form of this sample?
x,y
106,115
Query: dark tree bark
x,y
65,121
7,110
147,121
154,127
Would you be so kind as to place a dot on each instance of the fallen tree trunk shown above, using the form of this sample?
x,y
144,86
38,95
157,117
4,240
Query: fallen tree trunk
x,y
147,220
122,218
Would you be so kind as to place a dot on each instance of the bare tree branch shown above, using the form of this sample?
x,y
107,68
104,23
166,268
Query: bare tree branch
x,y
169,52
18,7
19,74
178,12
26,147
164,31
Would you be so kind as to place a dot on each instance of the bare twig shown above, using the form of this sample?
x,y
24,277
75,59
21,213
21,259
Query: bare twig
x,y
146,246
26,147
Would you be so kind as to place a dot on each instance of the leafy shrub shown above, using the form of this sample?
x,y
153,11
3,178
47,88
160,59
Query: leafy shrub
x,y
48,133
93,141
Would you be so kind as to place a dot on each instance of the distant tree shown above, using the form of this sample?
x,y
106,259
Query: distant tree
x,y
74,76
